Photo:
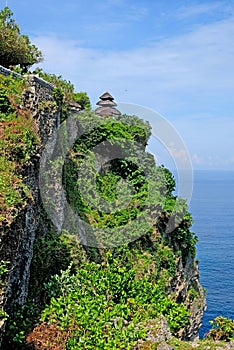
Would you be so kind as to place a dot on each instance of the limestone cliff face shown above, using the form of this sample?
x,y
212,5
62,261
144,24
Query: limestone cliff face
x,y
186,288
16,241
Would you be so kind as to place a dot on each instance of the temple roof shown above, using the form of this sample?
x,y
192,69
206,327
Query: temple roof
x,y
74,106
105,103
106,106
106,96
107,111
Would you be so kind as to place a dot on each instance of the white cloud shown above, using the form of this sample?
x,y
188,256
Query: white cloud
x,y
193,72
200,62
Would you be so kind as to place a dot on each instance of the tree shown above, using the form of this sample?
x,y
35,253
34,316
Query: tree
x,y
15,48
83,100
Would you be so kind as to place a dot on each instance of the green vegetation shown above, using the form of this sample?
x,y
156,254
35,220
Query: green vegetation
x,y
105,305
3,270
82,99
18,142
63,87
106,297
121,288
222,329
15,48
128,190
101,297
64,93
109,189
205,344
50,256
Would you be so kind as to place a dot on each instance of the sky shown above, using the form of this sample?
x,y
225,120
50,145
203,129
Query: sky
x,y
172,57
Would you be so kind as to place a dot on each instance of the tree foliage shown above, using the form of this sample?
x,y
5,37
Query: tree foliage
x,y
83,99
15,48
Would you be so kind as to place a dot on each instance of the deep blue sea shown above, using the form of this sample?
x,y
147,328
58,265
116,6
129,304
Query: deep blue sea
x,y
212,208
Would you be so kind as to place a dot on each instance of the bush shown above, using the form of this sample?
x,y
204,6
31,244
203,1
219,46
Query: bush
x,y
222,329
105,306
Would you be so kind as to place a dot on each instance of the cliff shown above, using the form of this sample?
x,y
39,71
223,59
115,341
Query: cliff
x,y
40,238
19,225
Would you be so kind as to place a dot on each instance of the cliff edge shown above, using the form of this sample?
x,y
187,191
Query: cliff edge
x,y
137,280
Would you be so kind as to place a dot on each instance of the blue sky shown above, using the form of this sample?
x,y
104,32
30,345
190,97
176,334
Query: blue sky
x,y
175,57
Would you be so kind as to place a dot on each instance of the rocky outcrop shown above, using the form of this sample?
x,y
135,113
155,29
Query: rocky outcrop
x,y
158,332
186,288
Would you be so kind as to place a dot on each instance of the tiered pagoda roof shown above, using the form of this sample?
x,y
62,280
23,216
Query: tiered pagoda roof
x,y
106,106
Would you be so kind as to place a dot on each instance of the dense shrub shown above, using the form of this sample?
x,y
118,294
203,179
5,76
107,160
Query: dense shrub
x,y
105,306
222,329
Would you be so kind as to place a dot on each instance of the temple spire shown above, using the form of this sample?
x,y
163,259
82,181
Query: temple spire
x,y
106,106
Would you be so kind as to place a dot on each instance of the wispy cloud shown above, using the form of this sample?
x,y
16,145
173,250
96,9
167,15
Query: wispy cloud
x,y
122,9
202,61
186,12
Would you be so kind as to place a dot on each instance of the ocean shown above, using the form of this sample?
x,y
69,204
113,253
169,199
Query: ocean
x,y
212,208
